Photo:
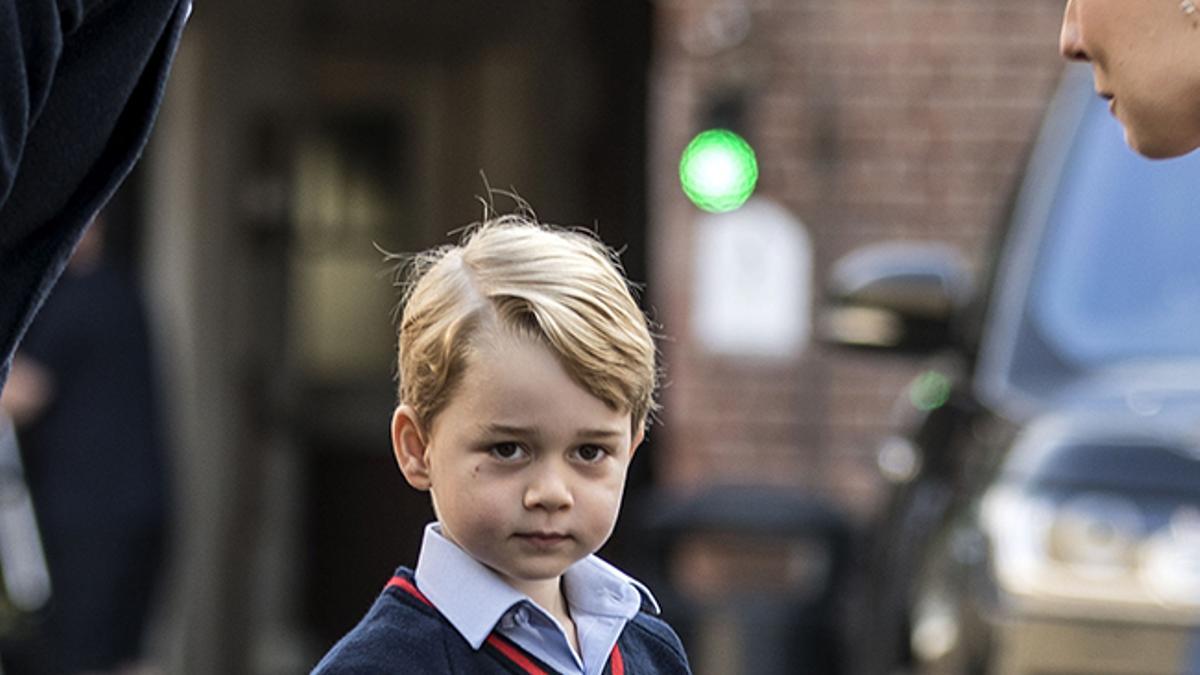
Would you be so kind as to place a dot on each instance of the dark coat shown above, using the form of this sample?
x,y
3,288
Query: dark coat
x,y
80,84
94,458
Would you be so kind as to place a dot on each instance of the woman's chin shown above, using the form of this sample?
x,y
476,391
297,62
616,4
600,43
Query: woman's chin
x,y
1159,146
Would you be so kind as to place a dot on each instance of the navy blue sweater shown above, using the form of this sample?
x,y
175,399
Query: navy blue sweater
x,y
403,633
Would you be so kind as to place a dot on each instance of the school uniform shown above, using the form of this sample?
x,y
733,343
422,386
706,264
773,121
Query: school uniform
x,y
455,615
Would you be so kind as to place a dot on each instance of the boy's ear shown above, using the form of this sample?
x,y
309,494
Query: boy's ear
x,y
408,444
638,437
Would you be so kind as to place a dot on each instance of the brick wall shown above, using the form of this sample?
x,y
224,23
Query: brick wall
x,y
873,119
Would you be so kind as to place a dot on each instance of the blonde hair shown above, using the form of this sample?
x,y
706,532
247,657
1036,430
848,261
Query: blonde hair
x,y
562,287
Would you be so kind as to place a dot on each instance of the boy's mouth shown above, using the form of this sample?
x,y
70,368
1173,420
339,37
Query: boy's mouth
x,y
543,539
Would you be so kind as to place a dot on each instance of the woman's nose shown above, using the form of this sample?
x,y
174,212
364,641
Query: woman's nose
x,y
1070,42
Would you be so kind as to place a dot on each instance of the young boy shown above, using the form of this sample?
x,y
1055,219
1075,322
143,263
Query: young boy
x,y
527,373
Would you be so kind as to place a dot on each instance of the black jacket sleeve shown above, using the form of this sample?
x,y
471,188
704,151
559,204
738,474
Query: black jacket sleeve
x,y
81,82
30,43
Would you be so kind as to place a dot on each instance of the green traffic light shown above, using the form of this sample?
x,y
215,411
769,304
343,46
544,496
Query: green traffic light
x,y
718,170
930,391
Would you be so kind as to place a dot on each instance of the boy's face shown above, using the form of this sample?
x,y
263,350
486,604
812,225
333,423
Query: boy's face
x,y
526,468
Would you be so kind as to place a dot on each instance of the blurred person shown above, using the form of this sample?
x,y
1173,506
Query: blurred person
x,y
82,394
1145,58
80,84
527,373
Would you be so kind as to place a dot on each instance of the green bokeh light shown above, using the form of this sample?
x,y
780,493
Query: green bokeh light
x,y
718,170
930,391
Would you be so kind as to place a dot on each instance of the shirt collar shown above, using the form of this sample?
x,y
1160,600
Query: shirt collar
x,y
473,598
470,595
596,587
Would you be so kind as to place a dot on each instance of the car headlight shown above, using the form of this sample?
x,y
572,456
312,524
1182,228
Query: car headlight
x,y
1096,534
1092,546
1170,559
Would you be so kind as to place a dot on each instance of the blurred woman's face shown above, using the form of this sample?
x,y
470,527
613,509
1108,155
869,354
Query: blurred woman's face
x,y
1145,57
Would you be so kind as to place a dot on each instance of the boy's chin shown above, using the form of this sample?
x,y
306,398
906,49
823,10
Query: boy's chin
x,y
528,580
537,570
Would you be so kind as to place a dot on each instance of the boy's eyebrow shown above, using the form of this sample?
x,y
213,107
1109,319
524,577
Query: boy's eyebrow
x,y
601,434
509,429
517,430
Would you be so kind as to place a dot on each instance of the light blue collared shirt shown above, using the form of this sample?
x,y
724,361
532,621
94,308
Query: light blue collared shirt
x,y
602,599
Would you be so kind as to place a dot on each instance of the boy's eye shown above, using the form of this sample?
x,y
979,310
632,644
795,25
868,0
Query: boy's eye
x,y
591,453
507,451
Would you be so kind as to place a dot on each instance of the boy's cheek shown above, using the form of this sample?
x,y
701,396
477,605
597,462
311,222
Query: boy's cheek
x,y
481,512
605,502
604,522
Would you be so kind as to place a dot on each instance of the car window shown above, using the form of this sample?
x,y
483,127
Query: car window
x,y
1118,273
1127,467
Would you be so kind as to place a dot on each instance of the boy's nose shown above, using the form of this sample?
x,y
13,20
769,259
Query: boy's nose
x,y
1070,42
548,490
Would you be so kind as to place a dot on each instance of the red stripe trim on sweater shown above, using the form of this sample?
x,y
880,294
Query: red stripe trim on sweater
x,y
406,585
617,661
514,655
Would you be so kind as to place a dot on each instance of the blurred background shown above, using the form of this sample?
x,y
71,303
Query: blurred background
x,y
299,139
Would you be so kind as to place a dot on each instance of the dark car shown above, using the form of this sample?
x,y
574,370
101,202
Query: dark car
x,y
1045,507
